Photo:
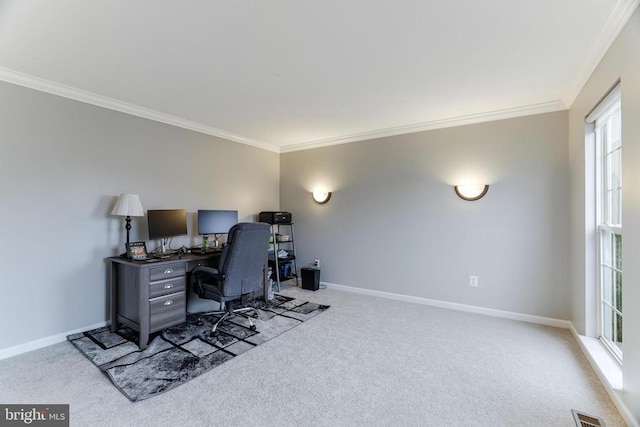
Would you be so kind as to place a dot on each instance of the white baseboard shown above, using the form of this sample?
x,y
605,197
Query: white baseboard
x,y
54,339
455,306
44,342
609,382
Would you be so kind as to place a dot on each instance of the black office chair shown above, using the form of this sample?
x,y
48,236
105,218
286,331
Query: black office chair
x,y
239,274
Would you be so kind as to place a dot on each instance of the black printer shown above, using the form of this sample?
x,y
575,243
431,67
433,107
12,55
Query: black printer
x,y
275,217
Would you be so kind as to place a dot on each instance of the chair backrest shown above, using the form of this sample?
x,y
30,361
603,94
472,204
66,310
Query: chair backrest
x,y
244,257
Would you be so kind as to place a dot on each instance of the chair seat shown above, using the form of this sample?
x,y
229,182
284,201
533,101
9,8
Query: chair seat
x,y
213,292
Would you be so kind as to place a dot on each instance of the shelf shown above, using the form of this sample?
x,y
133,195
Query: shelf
x,y
287,264
281,259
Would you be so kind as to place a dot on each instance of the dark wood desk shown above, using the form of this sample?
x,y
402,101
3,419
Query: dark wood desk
x,y
150,296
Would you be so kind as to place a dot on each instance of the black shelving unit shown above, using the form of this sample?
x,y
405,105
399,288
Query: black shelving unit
x,y
284,267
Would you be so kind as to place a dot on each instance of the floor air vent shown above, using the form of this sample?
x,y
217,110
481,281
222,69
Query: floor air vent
x,y
584,420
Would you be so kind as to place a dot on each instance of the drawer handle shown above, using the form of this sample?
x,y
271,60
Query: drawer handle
x,y
168,302
168,286
168,271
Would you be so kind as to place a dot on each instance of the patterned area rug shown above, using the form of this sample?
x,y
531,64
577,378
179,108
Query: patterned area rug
x,y
176,355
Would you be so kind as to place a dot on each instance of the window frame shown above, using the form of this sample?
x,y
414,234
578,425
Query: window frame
x,y
603,115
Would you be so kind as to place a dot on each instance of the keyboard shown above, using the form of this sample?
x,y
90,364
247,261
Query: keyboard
x,y
207,251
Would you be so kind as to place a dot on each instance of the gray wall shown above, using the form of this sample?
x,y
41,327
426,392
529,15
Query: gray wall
x,y
622,61
62,166
394,223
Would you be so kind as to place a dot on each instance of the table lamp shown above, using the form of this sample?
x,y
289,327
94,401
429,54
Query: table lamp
x,y
128,205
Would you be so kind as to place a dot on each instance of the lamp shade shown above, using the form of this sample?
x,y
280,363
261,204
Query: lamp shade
x,y
128,205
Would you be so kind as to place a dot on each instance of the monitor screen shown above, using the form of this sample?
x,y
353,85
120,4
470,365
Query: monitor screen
x,y
216,222
166,223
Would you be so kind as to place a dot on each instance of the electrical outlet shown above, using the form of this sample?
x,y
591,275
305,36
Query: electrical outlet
x,y
473,281
316,263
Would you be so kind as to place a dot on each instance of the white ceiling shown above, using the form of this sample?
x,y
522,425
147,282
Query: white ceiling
x,y
293,74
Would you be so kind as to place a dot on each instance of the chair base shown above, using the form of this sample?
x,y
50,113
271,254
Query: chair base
x,y
234,312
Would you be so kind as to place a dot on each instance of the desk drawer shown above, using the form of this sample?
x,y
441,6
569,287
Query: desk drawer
x,y
213,263
166,311
168,286
166,271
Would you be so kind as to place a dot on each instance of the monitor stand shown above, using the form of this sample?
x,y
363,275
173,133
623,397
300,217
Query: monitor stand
x,y
216,242
164,252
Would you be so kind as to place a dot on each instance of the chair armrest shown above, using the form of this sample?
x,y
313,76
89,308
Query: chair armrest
x,y
205,270
204,275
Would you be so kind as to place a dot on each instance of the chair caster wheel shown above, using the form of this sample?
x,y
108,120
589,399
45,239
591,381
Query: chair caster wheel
x,y
252,327
255,315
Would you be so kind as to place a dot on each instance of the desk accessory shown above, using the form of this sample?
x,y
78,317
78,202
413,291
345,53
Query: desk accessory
x,y
137,251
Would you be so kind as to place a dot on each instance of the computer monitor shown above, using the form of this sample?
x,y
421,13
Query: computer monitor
x,y
215,222
165,223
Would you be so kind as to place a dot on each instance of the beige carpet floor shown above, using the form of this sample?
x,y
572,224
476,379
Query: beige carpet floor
x,y
366,361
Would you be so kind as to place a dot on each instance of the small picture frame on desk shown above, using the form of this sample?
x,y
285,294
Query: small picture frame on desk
x,y
137,251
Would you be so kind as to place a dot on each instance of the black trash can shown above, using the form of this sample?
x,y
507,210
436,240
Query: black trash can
x,y
310,278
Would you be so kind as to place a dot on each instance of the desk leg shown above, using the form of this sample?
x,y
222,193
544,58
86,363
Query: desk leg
x,y
113,283
144,339
143,298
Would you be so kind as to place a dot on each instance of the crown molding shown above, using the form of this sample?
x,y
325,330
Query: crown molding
x,y
32,82
22,79
607,35
528,110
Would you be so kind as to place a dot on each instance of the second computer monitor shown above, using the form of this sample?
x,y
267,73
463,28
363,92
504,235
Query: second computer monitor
x,y
216,221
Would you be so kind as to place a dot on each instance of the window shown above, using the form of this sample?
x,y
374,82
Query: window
x,y
609,221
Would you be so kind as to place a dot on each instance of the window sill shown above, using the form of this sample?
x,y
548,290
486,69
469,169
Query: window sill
x,y
605,365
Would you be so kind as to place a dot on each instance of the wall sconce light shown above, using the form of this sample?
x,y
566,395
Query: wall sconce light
x,y
321,197
471,192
